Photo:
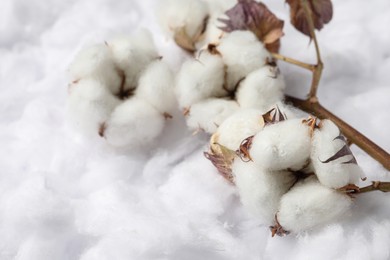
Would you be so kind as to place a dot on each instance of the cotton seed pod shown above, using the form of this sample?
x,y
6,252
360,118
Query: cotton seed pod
x,y
261,190
283,145
200,79
242,53
261,89
210,113
333,162
240,125
90,104
185,20
95,62
131,55
156,86
309,204
133,123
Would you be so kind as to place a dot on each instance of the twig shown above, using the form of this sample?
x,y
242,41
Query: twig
x,y
376,185
301,64
351,133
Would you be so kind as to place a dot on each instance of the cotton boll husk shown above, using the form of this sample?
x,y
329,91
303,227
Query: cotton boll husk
x,y
187,14
131,55
242,124
243,53
156,86
209,114
310,204
260,190
89,105
282,145
200,79
95,62
133,123
261,88
336,173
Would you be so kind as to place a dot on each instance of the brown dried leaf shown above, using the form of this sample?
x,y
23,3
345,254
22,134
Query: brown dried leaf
x,y
344,151
185,41
243,151
222,158
257,18
273,116
321,12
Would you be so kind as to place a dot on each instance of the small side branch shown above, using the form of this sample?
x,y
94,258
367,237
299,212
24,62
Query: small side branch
x,y
301,64
376,185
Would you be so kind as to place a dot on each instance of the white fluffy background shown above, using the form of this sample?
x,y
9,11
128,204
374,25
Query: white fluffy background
x,y
62,197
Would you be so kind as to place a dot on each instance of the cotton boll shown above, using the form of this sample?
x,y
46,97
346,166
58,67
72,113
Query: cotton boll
x,y
200,79
260,190
135,122
282,145
309,204
95,62
243,53
209,114
131,55
89,105
242,124
261,88
156,87
335,173
188,15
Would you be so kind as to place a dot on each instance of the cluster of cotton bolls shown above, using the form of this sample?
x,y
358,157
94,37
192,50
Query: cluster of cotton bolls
x,y
121,90
233,74
291,173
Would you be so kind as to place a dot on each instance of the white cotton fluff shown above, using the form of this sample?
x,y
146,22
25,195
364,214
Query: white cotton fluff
x,y
189,15
89,105
95,62
282,145
156,86
239,126
260,190
261,89
309,204
131,55
210,113
336,173
200,79
133,123
243,53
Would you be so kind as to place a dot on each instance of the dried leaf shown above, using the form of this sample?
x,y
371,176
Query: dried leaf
x,y
256,17
321,12
243,151
185,41
273,116
102,129
344,151
222,158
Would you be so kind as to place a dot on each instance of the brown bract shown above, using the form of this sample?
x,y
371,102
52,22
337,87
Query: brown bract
x,y
255,17
321,12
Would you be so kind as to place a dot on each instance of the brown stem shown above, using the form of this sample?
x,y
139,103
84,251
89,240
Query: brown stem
x,y
315,108
376,185
295,62
320,66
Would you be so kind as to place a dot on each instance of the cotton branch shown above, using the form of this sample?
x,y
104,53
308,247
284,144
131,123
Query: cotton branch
x,y
312,105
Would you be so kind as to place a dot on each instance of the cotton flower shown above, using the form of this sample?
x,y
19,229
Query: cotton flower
x,y
210,113
333,168
283,145
261,89
309,204
242,53
261,190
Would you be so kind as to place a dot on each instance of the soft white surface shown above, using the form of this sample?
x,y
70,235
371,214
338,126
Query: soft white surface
x,y
62,197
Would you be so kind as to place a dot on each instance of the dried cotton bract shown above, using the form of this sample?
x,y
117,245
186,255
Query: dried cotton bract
x,y
121,90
